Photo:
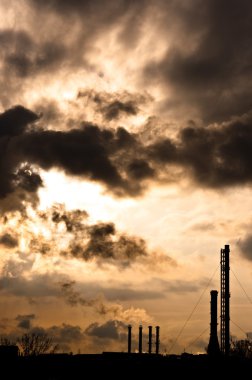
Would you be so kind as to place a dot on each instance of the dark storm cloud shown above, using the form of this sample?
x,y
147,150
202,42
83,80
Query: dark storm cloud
x,y
14,177
8,240
15,120
102,244
37,286
27,180
215,157
111,329
25,321
65,334
64,44
116,104
74,220
140,169
73,297
245,246
208,65
80,152
114,109
101,13
23,57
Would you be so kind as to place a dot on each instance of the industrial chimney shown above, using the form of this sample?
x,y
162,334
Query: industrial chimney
x,y
213,346
157,339
129,338
150,339
140,347
225,301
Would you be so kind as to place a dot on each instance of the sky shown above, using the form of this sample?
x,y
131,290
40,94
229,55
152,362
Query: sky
x,y
125,163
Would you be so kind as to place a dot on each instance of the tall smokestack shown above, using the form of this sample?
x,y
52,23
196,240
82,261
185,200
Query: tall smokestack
x,y
213,346
150,339
225,301
157,339
129,338
140,347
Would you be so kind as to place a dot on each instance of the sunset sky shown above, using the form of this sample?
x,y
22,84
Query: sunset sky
x,y
126,165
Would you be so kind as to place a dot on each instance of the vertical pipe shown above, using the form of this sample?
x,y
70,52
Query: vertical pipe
x,y
213,328
129,338
150,339
140,347
213,346
157,339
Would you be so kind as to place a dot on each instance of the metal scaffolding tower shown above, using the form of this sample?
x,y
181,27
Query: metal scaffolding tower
x,y
225,302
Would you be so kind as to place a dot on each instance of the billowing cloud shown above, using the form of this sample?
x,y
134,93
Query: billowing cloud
x,y
216,156
8,240
100,242
207,66
101,306
19,182
83,152
245,246
202,69
73,297
25,321
112,329
39,286
113,105
23,57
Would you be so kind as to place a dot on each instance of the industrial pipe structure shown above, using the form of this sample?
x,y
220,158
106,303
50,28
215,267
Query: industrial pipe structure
x,y
150,339
129,338
140,343
157,339
213,346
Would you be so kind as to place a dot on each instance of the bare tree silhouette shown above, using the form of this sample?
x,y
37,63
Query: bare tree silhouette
x,y
32,344
241,348
6,342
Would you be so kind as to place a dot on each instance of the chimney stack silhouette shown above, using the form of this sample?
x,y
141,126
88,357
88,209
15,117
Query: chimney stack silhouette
x,y
129,338
213,346
157,339
140,346
150,339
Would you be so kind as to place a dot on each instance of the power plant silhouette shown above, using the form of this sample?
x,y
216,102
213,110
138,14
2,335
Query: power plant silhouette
x,y
143,363
213,349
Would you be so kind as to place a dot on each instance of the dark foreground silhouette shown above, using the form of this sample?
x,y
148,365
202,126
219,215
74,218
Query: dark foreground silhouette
x,y
121,365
